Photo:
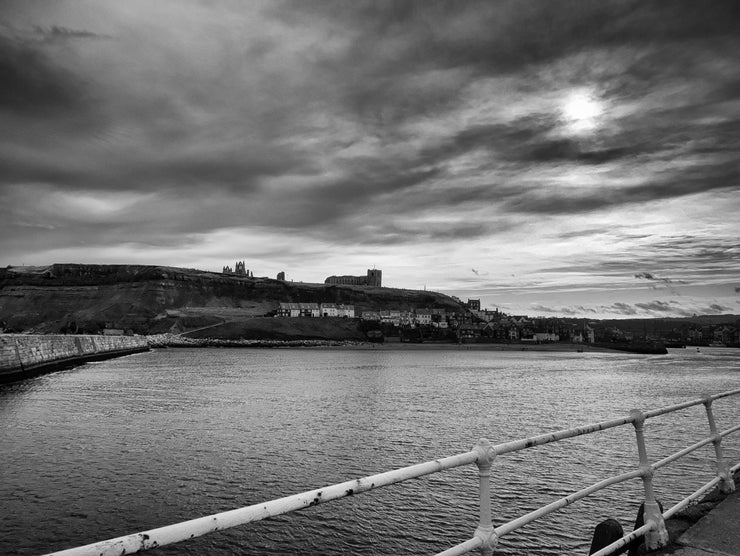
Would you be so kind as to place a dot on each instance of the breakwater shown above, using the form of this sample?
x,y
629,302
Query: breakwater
x,y
23,355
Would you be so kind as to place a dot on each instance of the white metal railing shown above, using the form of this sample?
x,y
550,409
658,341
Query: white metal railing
x,y
483,454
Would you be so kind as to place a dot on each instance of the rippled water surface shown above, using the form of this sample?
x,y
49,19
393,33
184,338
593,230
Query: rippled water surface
x,y
147,440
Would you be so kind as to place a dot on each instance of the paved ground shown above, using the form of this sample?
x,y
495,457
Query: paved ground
x,y
717,533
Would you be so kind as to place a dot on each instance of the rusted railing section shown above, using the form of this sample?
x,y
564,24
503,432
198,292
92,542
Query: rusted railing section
x,y
483,454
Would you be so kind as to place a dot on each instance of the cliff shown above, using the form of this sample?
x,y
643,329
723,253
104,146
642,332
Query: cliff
x,y
154,299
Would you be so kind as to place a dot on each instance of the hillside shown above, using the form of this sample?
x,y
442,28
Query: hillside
x,y
667,327
154,299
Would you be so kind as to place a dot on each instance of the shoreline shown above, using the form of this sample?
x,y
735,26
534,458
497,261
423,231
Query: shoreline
x,y
175,341
566,347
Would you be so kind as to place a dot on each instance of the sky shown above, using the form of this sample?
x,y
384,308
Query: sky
x,y
550,158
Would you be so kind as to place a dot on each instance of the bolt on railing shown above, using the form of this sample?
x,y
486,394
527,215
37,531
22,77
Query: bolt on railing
x,y
486,536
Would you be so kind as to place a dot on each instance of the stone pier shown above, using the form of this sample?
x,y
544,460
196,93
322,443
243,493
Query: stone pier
x,y
23,355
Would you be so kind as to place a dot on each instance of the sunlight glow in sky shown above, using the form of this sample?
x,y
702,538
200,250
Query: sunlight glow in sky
x,y
582,112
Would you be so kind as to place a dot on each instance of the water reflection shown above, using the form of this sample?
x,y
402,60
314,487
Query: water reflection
x,y
151,439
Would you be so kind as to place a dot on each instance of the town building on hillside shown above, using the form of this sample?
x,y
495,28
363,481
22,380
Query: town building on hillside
x,y
298,310
424,316
347,311
315,310
374,277
487,315
408,318
391,316
289,310
310,310
474,304
541,337
281,276
328,310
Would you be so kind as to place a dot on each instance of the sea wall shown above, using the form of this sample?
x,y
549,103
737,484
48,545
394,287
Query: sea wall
x,y
24,355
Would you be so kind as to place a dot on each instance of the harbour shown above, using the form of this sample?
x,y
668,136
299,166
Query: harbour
x,y
155,438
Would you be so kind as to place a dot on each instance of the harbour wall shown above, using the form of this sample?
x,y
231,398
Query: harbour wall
x,y
23,355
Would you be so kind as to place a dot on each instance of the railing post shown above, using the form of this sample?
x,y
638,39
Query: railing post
x,y
657,537
485,530
727,484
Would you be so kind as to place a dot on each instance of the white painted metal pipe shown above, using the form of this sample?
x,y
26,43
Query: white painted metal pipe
x,y
690,403
685,451
657,536
690,498
170,534
485,535
462,548
616,545
725,394
565,501
727,485
672,408
525,443
485,531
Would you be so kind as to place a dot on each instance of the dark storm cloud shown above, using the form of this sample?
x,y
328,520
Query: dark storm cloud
x,y
622,308
555,310
695,259
652,277
392,41
32,84
719,175
56,32
663,308
375,77
368,123
618,308
507,35
657,306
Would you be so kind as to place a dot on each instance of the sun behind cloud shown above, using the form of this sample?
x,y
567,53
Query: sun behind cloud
x,y
582,112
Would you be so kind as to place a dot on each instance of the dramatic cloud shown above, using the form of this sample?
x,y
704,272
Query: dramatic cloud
x,y
566,143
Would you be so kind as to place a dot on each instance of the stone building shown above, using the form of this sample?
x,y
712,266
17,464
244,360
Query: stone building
x,y
374,277
238,270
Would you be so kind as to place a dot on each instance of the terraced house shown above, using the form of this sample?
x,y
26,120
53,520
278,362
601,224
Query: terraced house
x,y
315,310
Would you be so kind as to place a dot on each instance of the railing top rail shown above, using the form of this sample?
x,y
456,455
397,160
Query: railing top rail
x,y
129,544
136,542
683,405
546,438
524,443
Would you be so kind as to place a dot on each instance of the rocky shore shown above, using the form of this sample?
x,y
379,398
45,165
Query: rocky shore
x,y
176,340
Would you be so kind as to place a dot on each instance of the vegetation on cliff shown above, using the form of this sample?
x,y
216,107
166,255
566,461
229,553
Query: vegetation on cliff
x,y
157,299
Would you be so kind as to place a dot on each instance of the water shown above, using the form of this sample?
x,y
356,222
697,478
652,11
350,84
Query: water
x,y
143,441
